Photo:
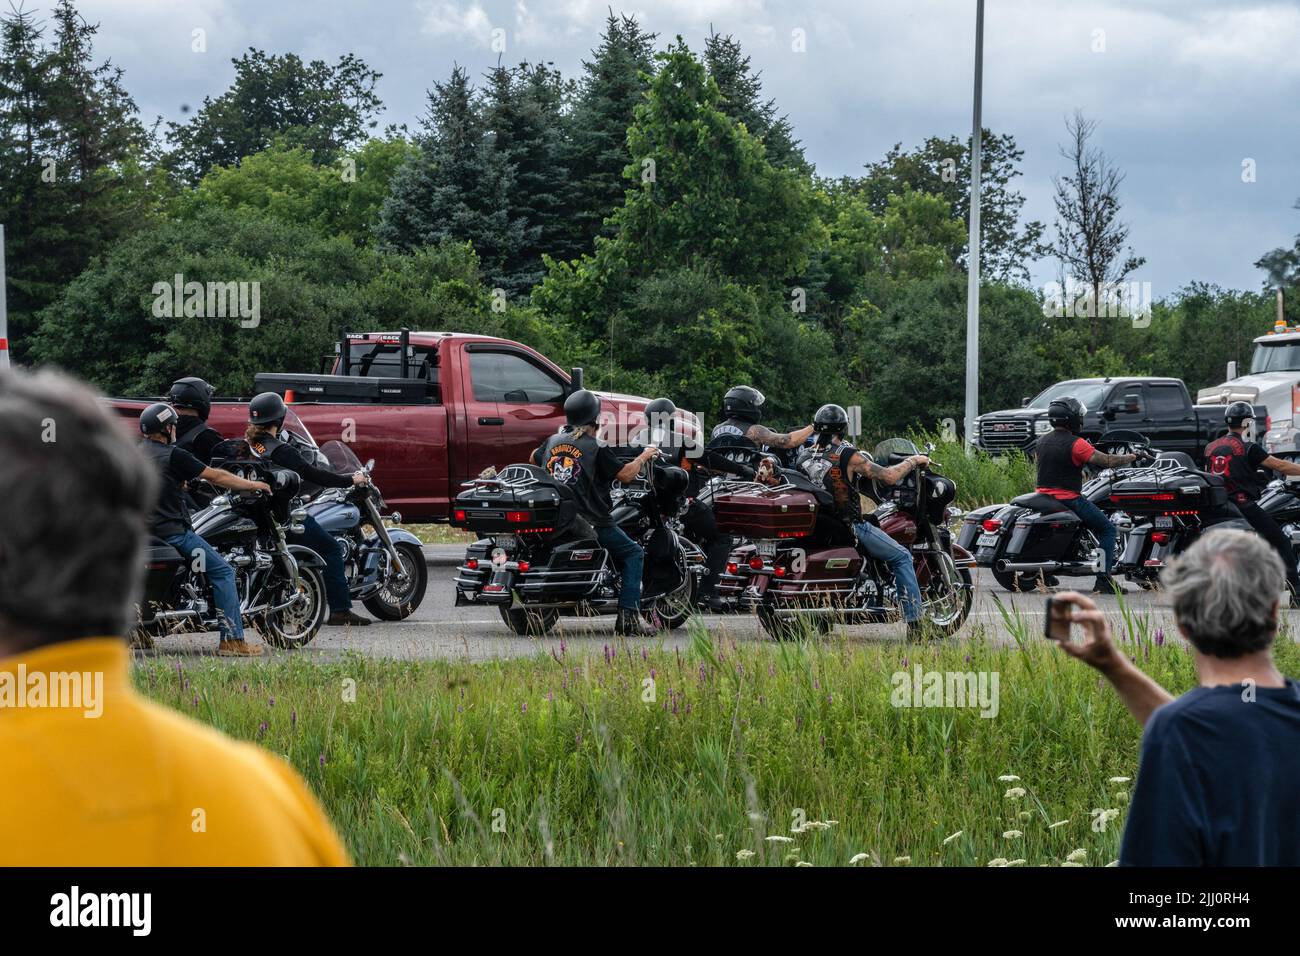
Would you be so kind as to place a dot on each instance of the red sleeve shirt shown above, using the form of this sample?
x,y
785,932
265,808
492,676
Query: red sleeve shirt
x,y
1082,451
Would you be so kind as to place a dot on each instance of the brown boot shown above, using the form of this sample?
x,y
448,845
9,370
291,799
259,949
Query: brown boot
x,y
239,649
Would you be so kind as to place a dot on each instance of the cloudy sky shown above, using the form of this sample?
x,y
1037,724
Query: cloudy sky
x,y
1185,91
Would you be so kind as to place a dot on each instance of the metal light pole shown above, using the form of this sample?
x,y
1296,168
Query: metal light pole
x,y
4,310
973,259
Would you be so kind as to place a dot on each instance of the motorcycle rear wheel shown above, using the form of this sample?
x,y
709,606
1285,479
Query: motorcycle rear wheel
x,y
528,623
391,603
296,626
671,611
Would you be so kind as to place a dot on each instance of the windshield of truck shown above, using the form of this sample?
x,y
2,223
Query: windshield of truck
x,y
1282,357
1090,393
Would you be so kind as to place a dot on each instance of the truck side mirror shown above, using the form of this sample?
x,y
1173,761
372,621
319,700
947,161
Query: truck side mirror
x,y
575,379
1132,404
1024,402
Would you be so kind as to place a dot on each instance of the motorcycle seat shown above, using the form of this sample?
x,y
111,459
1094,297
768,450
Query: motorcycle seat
x,y
1181,457
1036,501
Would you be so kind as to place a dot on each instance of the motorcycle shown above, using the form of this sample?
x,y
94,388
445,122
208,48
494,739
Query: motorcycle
x,y
281,586
385,567
1034,536
1281,502
1168,506
801,563
536,559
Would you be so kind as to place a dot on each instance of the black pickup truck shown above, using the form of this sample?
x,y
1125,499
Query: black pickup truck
x,y
1159,409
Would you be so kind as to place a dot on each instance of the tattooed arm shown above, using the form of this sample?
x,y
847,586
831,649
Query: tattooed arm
x,y
860,464
762,435
1100,459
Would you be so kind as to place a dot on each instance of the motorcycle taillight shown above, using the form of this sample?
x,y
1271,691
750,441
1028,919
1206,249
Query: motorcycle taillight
x,y
991,525
1160,537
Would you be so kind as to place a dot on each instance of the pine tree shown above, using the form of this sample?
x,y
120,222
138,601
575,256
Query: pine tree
x,y
614,83
741,91
458,186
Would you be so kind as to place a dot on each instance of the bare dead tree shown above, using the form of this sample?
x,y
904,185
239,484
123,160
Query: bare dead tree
x,y
1090,239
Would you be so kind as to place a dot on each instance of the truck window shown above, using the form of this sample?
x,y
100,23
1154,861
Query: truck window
x,y
1283,357
511,378
385,361
1165,401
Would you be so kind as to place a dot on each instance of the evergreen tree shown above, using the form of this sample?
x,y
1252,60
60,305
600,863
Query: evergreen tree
x,y
741,91
614,83
458,186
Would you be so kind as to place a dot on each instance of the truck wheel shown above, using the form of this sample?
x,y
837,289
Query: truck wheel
x,y
528,623
396,602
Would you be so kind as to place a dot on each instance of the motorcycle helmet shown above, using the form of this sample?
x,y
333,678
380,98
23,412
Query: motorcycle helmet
x,y
157,418
193,393
1067,412
743,402
267,409
659,416
830,420
581,408
1238,413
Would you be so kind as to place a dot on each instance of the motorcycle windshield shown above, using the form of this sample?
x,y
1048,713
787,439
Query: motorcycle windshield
x,y
903,447
340,457
293,426
232,449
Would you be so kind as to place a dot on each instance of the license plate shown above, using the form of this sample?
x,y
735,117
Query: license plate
x,y
508,541
1164,522
766,547
987,541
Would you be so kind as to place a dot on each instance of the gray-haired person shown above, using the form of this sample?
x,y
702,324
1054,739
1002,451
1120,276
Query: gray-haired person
x,y
1219,779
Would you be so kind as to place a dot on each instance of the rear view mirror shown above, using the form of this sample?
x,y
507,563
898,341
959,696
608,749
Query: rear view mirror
x,y
1024,402
575,379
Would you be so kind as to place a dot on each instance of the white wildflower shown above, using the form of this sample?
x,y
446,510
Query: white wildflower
x,y
744,854
1015,793
950,838
802,863
1012,835
1008,778
1000,861
1119,779
778,839
1077,856
1058,823
902,860
857,858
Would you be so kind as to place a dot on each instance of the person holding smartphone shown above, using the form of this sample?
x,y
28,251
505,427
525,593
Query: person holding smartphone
x,y
1218,783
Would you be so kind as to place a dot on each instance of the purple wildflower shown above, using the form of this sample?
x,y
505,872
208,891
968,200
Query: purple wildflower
x,y
322,760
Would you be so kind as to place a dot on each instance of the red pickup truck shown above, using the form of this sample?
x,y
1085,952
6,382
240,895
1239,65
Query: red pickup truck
x,y
432,408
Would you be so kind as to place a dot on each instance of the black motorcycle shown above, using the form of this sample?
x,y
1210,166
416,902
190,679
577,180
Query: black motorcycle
x,y
1035,537
385,567
537,559
281,587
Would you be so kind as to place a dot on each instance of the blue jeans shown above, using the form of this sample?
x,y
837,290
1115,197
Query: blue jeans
x,y
629,556
882,547
336,579
221,576
1099,524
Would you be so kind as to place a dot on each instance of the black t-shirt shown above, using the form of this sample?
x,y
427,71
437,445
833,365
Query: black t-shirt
x,y
1219,781
588,468
175,466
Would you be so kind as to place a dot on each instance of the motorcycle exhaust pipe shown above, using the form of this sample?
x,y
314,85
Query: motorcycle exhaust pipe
x,y
173,616
1023,566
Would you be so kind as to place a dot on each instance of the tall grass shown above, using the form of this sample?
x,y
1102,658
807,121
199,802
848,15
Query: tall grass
x,y
697,756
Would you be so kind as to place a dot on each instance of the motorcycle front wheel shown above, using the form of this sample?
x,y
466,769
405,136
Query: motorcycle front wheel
x,y
296,625
946,600
396,601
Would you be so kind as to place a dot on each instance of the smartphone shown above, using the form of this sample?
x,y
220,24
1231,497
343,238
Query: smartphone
x,y
1056,620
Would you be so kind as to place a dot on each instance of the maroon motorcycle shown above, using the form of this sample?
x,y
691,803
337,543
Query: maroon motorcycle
x,y
801,563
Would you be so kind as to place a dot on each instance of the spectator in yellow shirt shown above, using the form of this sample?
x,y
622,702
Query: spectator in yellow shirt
x,y
94,774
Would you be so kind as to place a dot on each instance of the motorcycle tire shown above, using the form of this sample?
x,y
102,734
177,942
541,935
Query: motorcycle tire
x,y
671,611
297,626
528,623
950,623
389,605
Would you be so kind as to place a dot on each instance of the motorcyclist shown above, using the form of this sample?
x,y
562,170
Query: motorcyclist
x,y
741,431
171,519
676,434
192,399
575,458
1061,455
1238,460
266,414
840,467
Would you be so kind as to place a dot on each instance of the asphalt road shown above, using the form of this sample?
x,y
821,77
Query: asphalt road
x,y
439,629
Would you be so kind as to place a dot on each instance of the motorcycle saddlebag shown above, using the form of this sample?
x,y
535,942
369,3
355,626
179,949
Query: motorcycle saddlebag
x,y
520,500
756,513
1038,536
1153,493
161,562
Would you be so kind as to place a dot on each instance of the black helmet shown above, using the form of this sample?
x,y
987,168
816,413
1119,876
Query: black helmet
x,y
192,393
659,415
830,420
660,406
582,408
744,403
1237,413
1068,412
157,418
267,409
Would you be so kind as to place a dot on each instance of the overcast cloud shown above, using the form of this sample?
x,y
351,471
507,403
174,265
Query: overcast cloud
x,y
1185,90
